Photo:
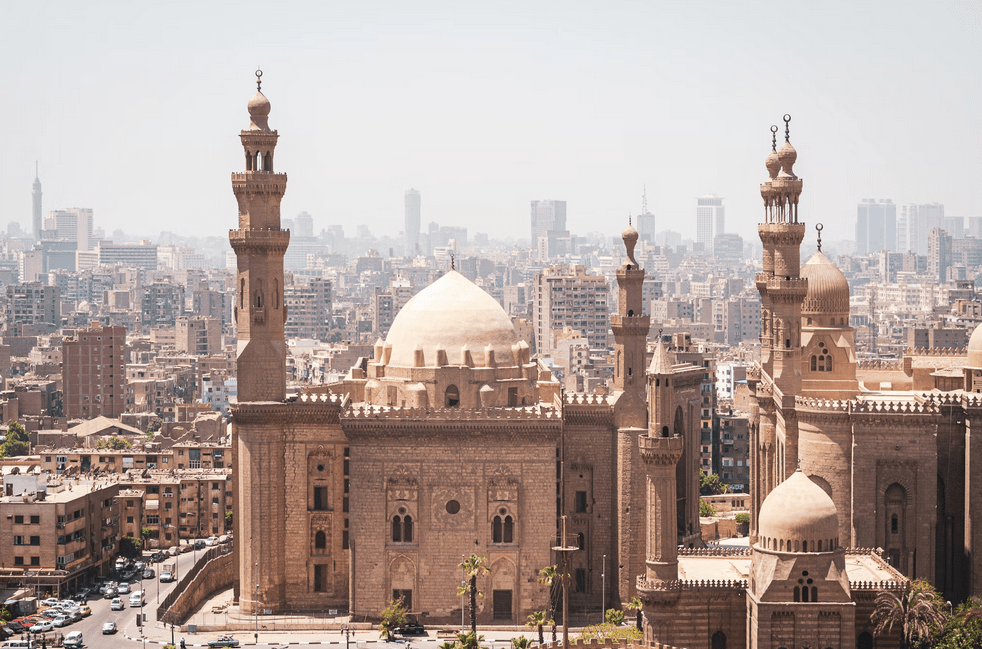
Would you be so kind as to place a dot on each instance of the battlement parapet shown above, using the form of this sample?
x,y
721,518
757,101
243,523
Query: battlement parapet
x,y
537,412
586,399
948,352
879,364
607,643
714,552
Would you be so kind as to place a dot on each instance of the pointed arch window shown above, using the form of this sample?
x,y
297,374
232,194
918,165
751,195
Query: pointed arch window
x,y
320,540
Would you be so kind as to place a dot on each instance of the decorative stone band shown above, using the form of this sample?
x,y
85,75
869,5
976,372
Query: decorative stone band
x,y
252,239
271,412
537,412
608,643
937,351
714,552
587,399
689,584
661,450
878,585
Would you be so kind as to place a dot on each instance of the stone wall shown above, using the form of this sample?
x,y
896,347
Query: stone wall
x,y
215,575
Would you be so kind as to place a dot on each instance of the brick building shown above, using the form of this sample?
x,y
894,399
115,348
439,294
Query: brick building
x,y
95,372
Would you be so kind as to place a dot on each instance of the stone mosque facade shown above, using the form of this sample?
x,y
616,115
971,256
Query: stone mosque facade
x,y
452,440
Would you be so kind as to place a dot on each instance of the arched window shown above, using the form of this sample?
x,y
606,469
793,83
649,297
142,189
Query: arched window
x,y
276,293
242,293
320,540
268,161
814,363
814,593
581,541
828,363
804,546
797,593
451,397
719,640
664,431
820,545
864,641
258,301
893,523
804,593
497,535
821,363
396,529
509,530
407,529
248,161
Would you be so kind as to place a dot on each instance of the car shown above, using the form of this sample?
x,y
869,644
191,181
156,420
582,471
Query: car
x,y
199,544
224,538
166,576
148,573
75,614
51,601
73,639
139,566
109,627
109,593
85,610
173,551
157,557
81,598
42,626
117,604
211,540
16,626
410,628
61,620
123,588
224,641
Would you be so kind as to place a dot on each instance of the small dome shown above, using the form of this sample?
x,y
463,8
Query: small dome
x,y
798,512
975,349
828,289
787,156
773,164
258,112
447,315
629,234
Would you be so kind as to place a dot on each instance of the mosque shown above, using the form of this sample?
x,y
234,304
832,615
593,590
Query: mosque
x,y
452,440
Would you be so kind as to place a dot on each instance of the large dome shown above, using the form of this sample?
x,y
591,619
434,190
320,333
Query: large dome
x,y
828,289
798,516
446,315
975,349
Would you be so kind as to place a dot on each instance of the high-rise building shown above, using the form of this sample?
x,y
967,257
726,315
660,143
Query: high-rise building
x,y
198,335
308,309
547,216
36,219
938,254
95,372
304,224
876,226
412,222
75,224
646,227
709,213
914,224
568,296
33,303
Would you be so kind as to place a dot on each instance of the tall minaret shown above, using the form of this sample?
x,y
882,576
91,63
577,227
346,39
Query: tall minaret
x,y
630,329
36,204
259,246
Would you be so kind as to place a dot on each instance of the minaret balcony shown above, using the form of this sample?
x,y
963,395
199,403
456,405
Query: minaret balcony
x,y
658,592
630,325
661,450
788,286
256,239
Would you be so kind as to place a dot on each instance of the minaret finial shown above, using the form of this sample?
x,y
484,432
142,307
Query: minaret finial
x,y
773,137
259,80
453,264
629,219
819,227
787,128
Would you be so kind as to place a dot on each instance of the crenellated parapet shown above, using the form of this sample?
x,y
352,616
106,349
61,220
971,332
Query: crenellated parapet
x,y
714,552
605,644
661,450
678,585
945,352
880,364
536,412
586,399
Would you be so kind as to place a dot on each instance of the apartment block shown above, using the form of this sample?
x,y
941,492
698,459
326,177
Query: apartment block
x,y
198,335
568,296
95,372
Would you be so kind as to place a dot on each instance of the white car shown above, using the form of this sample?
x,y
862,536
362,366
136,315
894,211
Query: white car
x,y
166,576
123,588
211,540
108,627
42,626
116,605
61,620
51,601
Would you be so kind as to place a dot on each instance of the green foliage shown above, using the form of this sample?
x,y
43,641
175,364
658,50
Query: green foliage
x,y
963,630
5,614
154,426
113,444
711,485
535,621
705,509
18,441
149,533
614,616
608,631
393,615
916,612
228,520
743,518
17,432
636,606
469,640
552,577
521,642
473,568
129,546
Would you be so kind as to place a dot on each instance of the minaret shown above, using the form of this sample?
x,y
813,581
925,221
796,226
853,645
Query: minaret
x,y
259,246
36,205
630,327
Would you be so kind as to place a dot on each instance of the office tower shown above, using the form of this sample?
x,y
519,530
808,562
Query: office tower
x,y
914,224
568,296
938,254
646,221
709,213
73,225
36,220
955,226
547,216
412,222
95,372
876,226
304,225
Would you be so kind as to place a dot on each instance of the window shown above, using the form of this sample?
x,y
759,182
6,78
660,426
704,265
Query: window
x,y
320,540
35,540
18,561
320,499
503,528
153,519
452,397
129,519
18,520
35,520
320,578
35,561
579,502
18,540
402,527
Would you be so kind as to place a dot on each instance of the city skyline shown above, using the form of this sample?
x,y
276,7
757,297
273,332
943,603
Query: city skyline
x,y
128,111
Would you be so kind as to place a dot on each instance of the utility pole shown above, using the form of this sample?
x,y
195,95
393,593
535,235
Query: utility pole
x,y
564,549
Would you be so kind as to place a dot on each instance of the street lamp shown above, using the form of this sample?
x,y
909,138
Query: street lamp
x,y
603,590
463,584
256,604
346,630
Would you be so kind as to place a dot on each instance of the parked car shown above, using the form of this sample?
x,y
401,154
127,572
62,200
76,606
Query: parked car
x,y
224,641
73,640
139,566
123,588
42,626
199,544
211,540
148,573
117,605
166,576
51,601
85,610
224,538
157,557
61,620
410,628
108,627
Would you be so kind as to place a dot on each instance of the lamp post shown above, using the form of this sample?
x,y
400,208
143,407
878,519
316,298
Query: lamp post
x,y
347,636
603,590
463,583
256,604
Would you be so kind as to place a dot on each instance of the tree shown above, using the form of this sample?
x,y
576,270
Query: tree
x,y
711,485
550,577
393,615
963,630
914,611
608,631
743,518
5,614
129,546
18,442
473,568
705,509
469,640
613,616
113,444
228,520
521,642
636,606
535,621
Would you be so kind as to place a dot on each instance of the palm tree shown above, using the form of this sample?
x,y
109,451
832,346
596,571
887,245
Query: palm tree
x,y
521,642
913,611
635,605
536,620
550,576
473,567
469,640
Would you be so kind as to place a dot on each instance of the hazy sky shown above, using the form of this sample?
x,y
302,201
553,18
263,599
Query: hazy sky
x,y
134,108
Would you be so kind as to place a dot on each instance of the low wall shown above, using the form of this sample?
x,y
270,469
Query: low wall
x,y
216,574
606,644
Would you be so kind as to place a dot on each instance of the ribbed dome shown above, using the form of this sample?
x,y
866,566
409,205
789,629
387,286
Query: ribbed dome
x,y
446,315
773,164
259,108
975,349
788,156
828,289
798,514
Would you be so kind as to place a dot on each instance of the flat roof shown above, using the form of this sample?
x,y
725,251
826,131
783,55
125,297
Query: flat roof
x,y
861,567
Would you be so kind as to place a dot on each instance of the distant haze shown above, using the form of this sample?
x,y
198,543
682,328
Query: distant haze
x,y
134,109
